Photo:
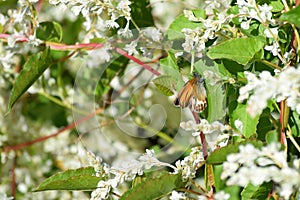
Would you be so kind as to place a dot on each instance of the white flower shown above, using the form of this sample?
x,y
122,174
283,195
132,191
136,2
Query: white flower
x,y
221,196
258,91
271,32
131,48
190,15
220,5
189,125
274,48
265,12
177,195
255,166
77,9
239,125
126,32
189,165
102,191
245,24
153,33
193,40
241,3
148,159
217,134
124,5
213,77
98,56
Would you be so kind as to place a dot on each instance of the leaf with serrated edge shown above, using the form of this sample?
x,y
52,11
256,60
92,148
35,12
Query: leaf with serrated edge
x,y
292,16
32,70
174,31
154,188
256,192
219,155
75,179
240,50
249,123
165,84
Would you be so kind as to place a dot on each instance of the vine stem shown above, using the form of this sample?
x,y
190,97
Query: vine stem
x,y
136,60
41,139
87,46
202,136
284,112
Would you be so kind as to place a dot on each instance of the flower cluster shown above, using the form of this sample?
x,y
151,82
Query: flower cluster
x,y
286,85
104,13
19,23
256,166
177,195
190,164
220,5
118,175
217,134
249,10
195,39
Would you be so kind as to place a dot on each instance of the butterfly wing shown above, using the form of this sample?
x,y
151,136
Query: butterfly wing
x,y
193,94
198,100
198,105
185,94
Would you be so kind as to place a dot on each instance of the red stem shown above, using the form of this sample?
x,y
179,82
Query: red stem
x,y
41,139
38,6
202,136
87,46
134,59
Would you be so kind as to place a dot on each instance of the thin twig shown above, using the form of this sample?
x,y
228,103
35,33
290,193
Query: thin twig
x,y
41,139
202,136
136,60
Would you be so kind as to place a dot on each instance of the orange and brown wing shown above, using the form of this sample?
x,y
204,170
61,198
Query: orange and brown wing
x,y
185,94
198,100
199,91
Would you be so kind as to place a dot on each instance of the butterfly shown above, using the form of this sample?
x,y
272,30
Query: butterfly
x,y
192,95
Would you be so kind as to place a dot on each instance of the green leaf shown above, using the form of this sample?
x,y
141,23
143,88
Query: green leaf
x,y
264,125
72,179
277,6
256,192
174,31
165,84
240,50
141,13
169,65
32,70
49,31
219,155
169,62
52,112
117,66
292,16
249,123
154,188
272,136
295,124
216,96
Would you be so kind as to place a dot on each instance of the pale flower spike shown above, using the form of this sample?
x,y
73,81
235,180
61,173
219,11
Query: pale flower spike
x,y
269,164
258,90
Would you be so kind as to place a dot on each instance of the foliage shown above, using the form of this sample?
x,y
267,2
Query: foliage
x,y
87,89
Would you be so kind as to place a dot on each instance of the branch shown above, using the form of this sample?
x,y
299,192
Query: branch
x,y
41,139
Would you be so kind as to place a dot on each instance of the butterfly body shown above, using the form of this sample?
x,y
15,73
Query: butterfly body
x,y
192,95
